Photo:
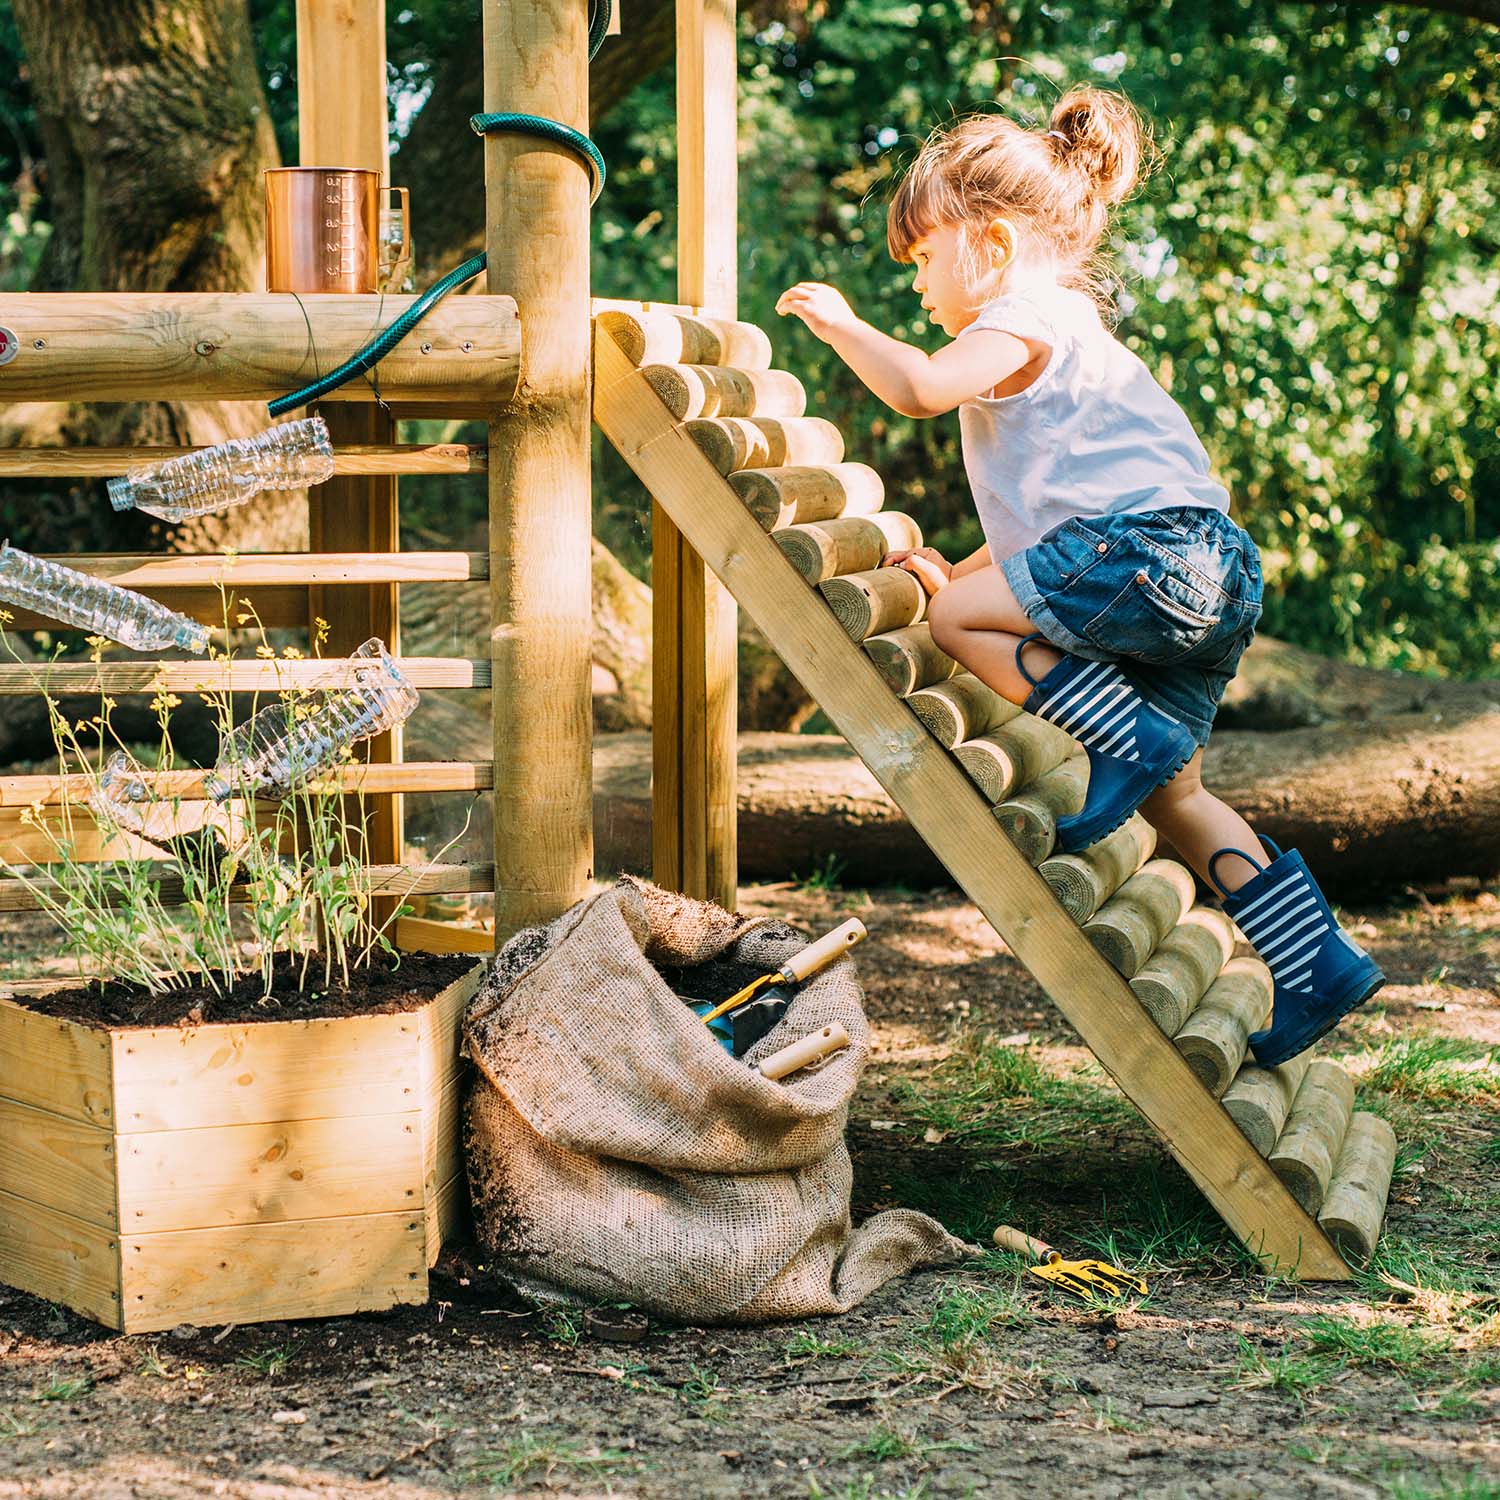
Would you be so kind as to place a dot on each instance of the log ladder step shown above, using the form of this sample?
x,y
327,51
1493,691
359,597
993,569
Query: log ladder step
x,y
1140,907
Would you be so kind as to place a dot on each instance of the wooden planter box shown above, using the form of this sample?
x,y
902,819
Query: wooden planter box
x,y
230,1173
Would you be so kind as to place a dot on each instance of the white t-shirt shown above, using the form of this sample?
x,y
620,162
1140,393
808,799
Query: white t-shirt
x,y
1092,435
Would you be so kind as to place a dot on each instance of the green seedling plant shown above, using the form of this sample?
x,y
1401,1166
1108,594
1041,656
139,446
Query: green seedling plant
x,y
293,871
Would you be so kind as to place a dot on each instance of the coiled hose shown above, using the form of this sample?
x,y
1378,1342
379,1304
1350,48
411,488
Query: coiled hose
x,y
485,124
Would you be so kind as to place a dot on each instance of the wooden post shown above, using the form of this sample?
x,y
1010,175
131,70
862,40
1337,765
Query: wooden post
x,y
341,121
693,838
537,238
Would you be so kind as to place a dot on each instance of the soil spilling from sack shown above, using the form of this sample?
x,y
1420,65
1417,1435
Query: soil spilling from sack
x,y
386,986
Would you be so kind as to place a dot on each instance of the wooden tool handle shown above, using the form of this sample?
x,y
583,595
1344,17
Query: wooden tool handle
x,y
805,1051
820,954
1023,1244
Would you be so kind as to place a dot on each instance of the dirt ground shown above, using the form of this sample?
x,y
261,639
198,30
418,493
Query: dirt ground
x,y
981,1107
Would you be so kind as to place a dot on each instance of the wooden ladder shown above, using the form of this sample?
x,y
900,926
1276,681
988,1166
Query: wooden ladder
x,y
922,778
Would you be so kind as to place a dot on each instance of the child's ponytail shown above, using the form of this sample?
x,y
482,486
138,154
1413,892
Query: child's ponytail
x,y
1101,135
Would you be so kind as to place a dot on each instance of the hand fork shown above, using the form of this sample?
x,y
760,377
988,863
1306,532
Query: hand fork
x,y
1081,1277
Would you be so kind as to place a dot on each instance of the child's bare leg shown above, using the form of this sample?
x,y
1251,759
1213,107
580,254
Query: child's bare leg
x,y
1197,823
978,621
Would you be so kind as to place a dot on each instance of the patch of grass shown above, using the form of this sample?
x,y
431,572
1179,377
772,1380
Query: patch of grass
x,y
966,1313
153,1364
1434,1068
823,877
13,1426
887,1443
806,1345
535,1455
1373,1341
268,1363
863,1488
563,1325
1107,1419
1474,1486
996,1097
1449,1404
1286,1372
67,1388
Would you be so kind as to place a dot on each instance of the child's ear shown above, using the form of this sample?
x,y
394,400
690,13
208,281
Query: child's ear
x,y
1000,241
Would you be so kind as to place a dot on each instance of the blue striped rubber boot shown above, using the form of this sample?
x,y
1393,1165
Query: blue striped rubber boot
x,y
1321,973
1132,746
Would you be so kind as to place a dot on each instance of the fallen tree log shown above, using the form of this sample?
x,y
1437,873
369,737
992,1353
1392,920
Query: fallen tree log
x,y
1372,807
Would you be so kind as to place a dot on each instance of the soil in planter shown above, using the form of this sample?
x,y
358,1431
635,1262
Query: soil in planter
x,y
386,986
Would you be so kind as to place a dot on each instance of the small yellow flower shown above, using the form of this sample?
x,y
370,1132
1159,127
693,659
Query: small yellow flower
x,y
109,704
322,627
242,619
291,653
6,617
267,652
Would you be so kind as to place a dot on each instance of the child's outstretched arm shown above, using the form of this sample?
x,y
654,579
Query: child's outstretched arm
x,y
915,383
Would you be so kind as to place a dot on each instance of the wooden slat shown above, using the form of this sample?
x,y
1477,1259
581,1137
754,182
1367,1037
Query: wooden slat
x,y
57,1162
671,338
61,1258
372,458
380,880
56,1065
171,1078
272,609
451,1220
269,1172
234,677
955,822
341,106
252,346
423,935
259,1272
410,776
187,570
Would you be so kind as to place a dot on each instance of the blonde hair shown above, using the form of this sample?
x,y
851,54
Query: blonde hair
x,y
1058,184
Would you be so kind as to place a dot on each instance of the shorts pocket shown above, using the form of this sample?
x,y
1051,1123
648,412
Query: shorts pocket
x,y
1156,620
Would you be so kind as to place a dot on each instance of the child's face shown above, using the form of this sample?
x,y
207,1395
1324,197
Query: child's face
x,y
944,266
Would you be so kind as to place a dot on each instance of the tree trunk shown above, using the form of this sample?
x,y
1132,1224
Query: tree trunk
x,y
156,132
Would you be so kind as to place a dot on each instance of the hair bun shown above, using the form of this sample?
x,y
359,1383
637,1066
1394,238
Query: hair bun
x,y
1104,136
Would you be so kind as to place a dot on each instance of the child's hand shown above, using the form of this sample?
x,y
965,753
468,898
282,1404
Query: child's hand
x,y
821,307
933,570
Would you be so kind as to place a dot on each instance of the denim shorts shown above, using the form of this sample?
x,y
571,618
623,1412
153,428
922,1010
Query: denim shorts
x,y
1172,595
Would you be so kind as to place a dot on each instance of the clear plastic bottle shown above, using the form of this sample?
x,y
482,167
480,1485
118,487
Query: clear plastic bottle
x,y
88,603
286,742
120,795
289,456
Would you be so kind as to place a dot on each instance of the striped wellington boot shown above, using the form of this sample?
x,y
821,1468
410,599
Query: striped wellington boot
x,y
1132,746
1321,973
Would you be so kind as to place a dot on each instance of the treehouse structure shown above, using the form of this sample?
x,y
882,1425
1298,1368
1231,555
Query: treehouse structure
x,y
754,502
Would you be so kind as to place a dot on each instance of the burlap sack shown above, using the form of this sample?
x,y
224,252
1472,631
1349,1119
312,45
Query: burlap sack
x,y
617,1151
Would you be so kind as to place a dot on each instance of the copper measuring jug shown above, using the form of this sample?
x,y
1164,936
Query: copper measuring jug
x,y
324,230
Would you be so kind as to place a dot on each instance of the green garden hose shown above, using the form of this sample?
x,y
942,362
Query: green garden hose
x,y
485,124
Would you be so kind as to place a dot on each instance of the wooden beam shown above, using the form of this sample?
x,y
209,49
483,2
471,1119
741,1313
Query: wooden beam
x,y
341,112
251,346
694,637
162,571
537,241
369,458
17,792
232,677
379,880
950,815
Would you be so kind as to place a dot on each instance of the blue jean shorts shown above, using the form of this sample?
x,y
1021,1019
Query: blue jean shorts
x,y
1172,595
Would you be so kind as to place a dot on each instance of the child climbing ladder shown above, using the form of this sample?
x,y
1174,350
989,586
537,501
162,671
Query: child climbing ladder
x,y
764,495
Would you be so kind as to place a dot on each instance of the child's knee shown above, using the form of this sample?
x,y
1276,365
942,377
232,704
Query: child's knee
x,y
945,617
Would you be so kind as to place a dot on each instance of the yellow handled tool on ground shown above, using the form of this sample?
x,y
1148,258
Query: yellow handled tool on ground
x,y
799,967
1084,1278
